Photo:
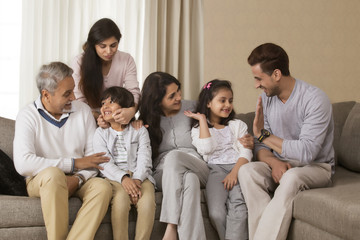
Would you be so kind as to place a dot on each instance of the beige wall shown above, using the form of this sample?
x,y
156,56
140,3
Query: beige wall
x,y
322,39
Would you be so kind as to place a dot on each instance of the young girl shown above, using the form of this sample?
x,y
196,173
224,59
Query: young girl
x,y
215,135
129,169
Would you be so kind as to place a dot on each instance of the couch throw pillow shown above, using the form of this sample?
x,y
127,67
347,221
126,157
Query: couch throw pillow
x,y
11,182
349,154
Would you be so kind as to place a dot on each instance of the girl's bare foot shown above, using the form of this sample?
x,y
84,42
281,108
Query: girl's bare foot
x,y
170,232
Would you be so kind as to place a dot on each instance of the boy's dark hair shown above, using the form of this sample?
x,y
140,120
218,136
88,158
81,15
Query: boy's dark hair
x,y
271,57
208,92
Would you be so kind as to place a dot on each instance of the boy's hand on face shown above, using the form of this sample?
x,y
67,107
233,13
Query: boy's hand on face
x,y
102,123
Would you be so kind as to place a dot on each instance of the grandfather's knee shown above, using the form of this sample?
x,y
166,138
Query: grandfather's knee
x,y
51,173
52,177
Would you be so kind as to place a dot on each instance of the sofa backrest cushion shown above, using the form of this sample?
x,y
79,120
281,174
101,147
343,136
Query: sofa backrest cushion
x,y
7,130
341,111
349,146
247,118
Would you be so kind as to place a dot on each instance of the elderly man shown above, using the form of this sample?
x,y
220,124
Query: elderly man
x,y
294,128
53,150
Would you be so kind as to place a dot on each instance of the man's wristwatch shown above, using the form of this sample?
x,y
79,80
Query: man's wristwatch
x,y
81,179
264,134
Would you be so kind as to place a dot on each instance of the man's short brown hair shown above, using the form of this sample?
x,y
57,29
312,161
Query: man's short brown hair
x,y
270,57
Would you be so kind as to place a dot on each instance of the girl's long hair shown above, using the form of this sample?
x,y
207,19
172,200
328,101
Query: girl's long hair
x,y
208,92
152,93
92,80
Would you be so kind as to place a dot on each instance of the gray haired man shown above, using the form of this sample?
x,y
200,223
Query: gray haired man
x,y
53,150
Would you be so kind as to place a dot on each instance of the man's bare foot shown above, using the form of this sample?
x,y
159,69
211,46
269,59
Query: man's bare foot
x,y
170,232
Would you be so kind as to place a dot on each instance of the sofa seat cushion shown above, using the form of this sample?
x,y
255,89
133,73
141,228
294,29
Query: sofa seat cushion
x,y
18,211
335,209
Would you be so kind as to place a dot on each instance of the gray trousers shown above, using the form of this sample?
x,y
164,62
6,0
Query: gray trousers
x,y
227,209
180,181
270,218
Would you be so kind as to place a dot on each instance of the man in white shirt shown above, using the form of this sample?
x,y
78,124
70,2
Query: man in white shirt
x,y
53,150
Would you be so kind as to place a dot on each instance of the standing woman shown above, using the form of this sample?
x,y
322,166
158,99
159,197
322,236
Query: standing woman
x,y
101,66
179,169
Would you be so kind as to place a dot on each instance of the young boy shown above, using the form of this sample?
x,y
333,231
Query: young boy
x,y
129,169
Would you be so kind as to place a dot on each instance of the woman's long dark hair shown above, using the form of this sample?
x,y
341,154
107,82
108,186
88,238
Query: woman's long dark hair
x,y
208,92
92,80
152,93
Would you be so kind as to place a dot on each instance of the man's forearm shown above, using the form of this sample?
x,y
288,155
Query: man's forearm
x,y
274,142
264,155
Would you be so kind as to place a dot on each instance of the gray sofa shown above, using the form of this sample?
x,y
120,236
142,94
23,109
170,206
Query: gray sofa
x,y
326,213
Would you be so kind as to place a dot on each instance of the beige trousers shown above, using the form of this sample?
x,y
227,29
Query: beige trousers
x,y
121,205
51,186
270,218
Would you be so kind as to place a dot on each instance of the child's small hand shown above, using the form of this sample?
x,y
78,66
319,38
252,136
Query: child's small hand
x,y
130,186
101,122
230,180
134,200
197,116
138,184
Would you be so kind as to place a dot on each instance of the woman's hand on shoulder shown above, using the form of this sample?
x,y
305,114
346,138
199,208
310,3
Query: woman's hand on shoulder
x,y
137,124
